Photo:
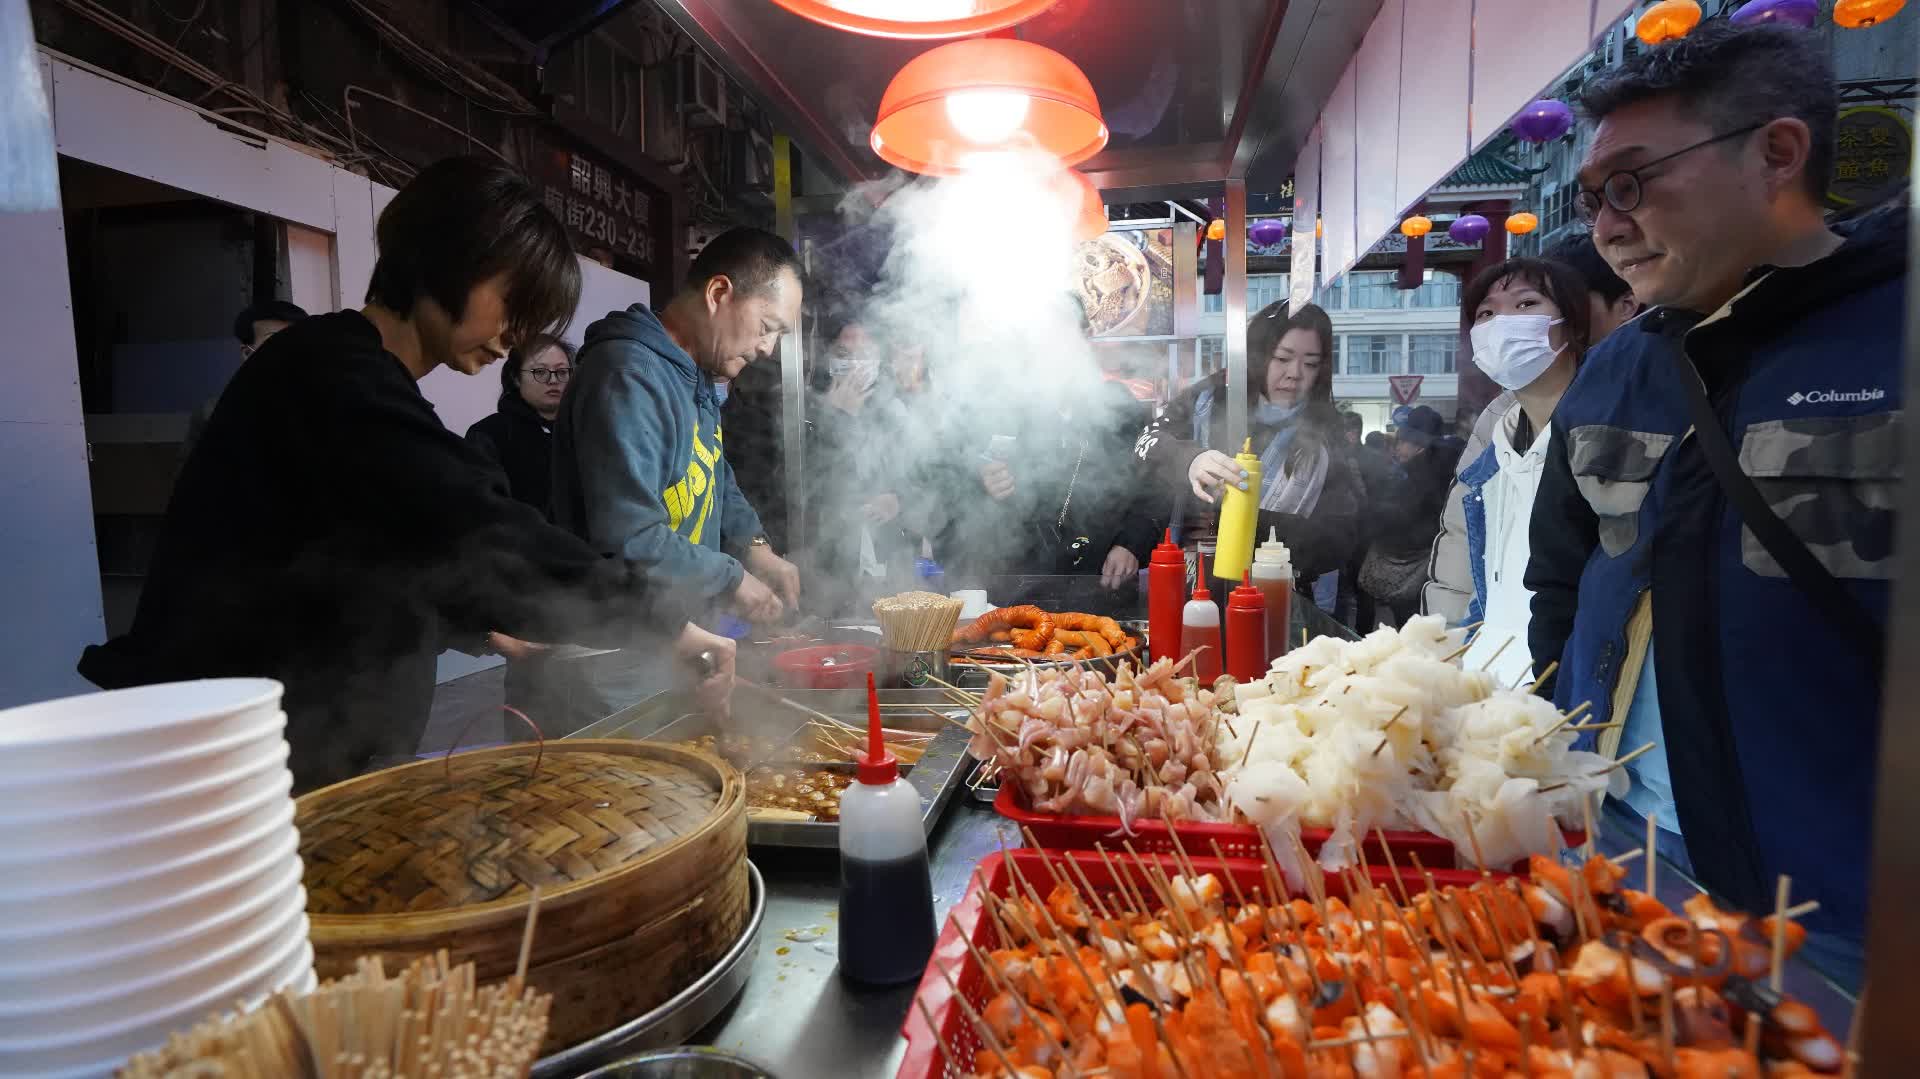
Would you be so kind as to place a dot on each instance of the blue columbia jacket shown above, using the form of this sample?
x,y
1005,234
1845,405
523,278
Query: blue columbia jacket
x,y
638,467
1771,722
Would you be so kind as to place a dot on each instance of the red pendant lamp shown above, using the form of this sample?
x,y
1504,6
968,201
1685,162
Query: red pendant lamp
x,y
1090,222
921,19
952,104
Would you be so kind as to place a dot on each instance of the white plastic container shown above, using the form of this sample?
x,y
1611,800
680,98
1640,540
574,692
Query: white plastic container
x,y
886,886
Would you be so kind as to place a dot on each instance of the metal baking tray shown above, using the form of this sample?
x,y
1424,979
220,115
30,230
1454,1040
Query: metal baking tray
x,y
937,775
683,1014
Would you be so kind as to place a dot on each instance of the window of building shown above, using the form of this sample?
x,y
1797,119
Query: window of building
x,y
1371,290
1212,354
1213,303
1373,353
1266,288
1437,289
1432,353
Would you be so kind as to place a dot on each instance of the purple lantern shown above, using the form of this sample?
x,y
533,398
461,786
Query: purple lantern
x,y
1801,13
1267,231
1547,119
1470,229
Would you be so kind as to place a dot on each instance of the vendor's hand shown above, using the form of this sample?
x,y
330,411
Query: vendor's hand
x,y
755,602
776,571
882,508
514,647
1121,567
1213,470
997,478
713,694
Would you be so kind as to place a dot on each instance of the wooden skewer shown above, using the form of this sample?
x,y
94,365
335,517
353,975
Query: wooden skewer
x,y
1852,1060
1801,910
1387,726
1233,883
1623,859
1629,758
1086,885
1653,828
1666,1023
1586,818
1496,653
526,937
946,1054
1357,1039
1544,675
1572,715
1778,971
1479,858
997,980
979,1025
1134,901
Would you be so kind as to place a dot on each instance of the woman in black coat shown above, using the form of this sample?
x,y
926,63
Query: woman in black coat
x,y
519,437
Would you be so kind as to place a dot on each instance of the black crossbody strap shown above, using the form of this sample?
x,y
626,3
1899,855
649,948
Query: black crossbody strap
x,y
1843,613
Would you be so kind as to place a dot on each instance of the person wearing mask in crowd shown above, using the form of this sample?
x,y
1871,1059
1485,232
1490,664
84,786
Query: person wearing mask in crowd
x,y
1309,493
1403,513
1056,505
638,466
328,531
1712,540
1528,320
1610,303
518,438
251,327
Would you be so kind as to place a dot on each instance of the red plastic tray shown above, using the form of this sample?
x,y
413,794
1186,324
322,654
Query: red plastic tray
x,y
1051,830
923,1059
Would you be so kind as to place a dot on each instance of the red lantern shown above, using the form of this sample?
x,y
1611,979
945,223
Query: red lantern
x,y
1668,20
917,18
1860,14
1522,223
983,96
1416,226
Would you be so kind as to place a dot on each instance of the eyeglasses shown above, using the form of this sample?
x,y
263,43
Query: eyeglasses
x,y
1622,190
545,376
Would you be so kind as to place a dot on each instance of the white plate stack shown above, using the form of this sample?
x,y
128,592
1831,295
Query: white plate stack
x,y
149,869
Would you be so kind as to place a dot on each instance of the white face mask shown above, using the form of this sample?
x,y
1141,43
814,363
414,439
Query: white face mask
x,y
1514,350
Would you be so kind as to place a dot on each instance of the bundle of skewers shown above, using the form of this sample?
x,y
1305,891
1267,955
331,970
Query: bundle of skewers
x,y
1174,969
917,621
430,1020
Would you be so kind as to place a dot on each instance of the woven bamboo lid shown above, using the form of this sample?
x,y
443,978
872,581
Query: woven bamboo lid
x,y
476,832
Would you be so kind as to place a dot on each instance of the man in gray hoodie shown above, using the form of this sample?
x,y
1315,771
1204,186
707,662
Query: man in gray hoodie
x,y
638,467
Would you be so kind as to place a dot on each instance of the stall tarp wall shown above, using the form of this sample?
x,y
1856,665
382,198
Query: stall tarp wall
x,y
49,568
1432,81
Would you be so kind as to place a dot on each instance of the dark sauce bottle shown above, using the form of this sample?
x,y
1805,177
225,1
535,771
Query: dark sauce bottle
x,y
886,886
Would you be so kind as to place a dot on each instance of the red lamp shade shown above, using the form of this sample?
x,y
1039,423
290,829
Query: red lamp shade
x,y
924,19
1216,229
953,103
1090,223
1860,14
1667,21
1522,223
1416,226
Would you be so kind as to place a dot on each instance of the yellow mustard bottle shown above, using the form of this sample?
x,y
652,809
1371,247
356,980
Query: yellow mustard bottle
x,y
1239,520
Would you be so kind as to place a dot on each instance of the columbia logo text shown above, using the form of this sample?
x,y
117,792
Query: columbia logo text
x,y
1824,397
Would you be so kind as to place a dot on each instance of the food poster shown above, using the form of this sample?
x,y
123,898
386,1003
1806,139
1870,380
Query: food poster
x,y
1125,281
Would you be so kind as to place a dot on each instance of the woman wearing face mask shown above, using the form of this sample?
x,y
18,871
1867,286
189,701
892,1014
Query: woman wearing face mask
x,y
1308,492
1529,323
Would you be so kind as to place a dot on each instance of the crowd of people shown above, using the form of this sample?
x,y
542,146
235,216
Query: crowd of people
x,y
1678,511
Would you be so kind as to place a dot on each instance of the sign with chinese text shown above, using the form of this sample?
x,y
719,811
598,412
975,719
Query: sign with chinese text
x,y
1405,388
606,211
1873,153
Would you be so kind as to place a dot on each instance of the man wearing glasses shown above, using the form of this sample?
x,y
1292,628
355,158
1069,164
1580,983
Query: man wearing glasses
x,y
1717,500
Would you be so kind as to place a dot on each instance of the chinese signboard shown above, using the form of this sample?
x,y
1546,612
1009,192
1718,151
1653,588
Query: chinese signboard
x,y
605,210
1873,152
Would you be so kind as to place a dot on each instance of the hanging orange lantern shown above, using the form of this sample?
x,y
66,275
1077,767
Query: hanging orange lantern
x,y
1668,20
1091,221
1522,223
1216,229
950,106
921,19
1416,226
1860,14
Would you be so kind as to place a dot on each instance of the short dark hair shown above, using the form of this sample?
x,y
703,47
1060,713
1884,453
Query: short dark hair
x,y
1577,250
1264,331
1557,281
518,356
465,220
1354,421
1378,440
1734,76
750,258
264,311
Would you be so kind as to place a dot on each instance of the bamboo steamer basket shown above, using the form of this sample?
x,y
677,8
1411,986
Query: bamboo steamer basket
x,y
638,848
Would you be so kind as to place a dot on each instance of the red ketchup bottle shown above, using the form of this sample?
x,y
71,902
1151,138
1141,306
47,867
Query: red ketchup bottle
x,y
1246,631
1200,629
1166,581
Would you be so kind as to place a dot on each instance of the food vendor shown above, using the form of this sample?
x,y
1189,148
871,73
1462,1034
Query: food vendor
x,y
1712,554
330,532
638,468
1310,494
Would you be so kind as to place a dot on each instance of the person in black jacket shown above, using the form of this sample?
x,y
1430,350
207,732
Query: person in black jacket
x,y
1309,493
330,532
518,438
1405,513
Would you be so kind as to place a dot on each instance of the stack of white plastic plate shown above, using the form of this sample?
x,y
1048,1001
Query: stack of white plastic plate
x,y
149,869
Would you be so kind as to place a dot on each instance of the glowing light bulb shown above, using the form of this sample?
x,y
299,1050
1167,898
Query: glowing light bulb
x,y
986,116
923,10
